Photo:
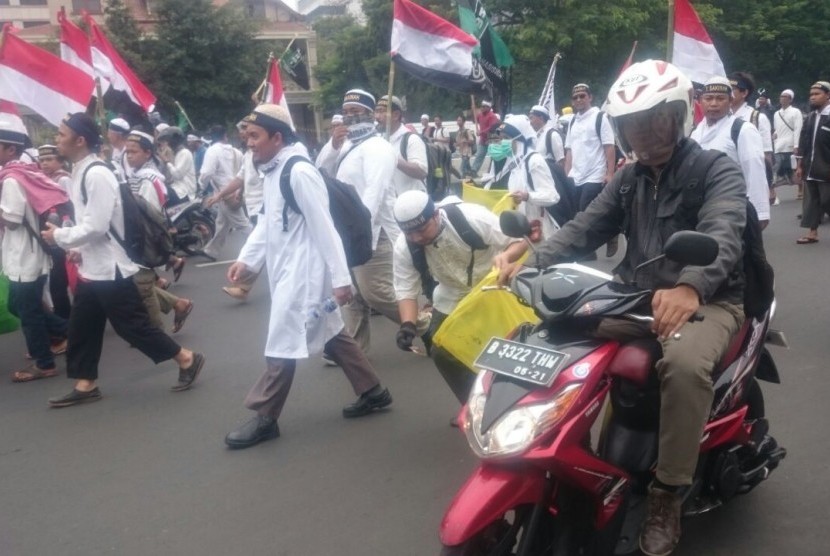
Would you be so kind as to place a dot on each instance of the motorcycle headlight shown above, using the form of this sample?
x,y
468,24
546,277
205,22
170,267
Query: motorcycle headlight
x,y
516,429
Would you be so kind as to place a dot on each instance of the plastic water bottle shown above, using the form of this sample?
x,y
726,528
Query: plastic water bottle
x,y
53,217
67,222
328,305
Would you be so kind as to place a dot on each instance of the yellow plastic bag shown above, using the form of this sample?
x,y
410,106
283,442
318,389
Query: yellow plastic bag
x,y
480,316
486,197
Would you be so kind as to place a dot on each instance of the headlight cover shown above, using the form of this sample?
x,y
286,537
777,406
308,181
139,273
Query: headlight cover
x,y
516,429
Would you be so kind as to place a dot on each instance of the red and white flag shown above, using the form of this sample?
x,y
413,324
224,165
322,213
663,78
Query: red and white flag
x,y
40,80
110,66
274,93
75,47
434,50
693,51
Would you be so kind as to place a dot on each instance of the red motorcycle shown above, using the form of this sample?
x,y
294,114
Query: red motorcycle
x,y
541,488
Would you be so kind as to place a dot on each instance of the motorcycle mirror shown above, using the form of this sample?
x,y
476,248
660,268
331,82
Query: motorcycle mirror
x,y
691,248
514,224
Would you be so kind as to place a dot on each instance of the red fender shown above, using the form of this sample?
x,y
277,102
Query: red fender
x,y
488,494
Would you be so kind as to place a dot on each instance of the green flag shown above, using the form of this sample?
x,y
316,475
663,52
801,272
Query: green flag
x,y
493,52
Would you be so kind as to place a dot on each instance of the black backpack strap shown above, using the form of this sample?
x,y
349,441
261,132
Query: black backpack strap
x,y
37,237
419,261
84,194
754,117
527,169
468,235
735,131
598,126
287,191
342,158
405,144
549,141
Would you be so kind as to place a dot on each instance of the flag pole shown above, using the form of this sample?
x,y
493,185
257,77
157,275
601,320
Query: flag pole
x,y
186,117
389,98
670,32
263,89
284,52
475,114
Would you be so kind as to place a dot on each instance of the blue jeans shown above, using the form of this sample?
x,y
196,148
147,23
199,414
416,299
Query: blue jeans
x,y
39,325
479,159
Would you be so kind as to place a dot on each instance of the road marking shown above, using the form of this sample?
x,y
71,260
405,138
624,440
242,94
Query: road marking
x,y
215,263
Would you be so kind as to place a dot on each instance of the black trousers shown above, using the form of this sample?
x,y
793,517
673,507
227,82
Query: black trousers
x,y
117,301
39,325
588,192
59,284
816,202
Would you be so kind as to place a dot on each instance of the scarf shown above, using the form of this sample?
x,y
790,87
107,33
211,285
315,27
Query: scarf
x,y
41,192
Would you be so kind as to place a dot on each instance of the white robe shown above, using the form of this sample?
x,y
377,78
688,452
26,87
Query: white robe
x,y
304,263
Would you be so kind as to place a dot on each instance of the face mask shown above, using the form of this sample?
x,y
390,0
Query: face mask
x,y
500,151
360,126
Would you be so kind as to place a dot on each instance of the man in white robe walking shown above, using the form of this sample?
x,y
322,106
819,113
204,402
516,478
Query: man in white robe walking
x,y
308,277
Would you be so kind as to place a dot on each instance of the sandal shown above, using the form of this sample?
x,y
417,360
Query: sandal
x,y
178,268
179,319
33,373
806,240
188,376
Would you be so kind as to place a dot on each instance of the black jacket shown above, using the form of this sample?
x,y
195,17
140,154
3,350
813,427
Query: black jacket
x,y
722,216
815,161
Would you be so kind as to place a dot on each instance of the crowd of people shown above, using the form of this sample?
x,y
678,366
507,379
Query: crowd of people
x,y
428,248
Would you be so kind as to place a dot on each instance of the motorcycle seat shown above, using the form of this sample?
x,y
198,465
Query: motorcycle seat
x,y
635,360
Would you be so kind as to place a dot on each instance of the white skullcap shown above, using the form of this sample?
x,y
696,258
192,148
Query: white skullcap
x,y
789,93
12,130
161,127
337,119
424,116
413,209
272,117
120,124
486,103
540,111
191,137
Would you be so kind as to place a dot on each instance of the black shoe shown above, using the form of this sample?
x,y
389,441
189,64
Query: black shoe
x,y
188,376
368,402
254,431
76,397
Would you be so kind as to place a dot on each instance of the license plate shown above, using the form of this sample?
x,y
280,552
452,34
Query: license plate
x,y
532,364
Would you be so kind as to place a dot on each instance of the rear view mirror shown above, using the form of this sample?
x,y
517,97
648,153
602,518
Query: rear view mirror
x,y
514,224
691,248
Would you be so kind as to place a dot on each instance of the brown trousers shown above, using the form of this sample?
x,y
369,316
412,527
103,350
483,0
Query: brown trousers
x,y
685,374
268,395
156,300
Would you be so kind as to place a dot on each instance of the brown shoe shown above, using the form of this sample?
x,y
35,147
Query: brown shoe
x,y
236,292
661,530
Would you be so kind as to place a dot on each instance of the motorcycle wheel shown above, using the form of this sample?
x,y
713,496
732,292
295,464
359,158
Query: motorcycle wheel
x,y
201,232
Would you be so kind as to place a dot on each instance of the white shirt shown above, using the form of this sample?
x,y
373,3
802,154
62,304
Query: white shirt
x,y
416,153
557,149
542,194
370,168
221,164
303,263
441,135
148,184
24,260
788,123
588,164
119,164
101,255
253,183
748,153
448,258
745,113
183,174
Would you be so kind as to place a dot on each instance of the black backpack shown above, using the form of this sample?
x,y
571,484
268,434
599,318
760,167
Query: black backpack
x,y
439,159
467,233
735,133
351,218
147,238
758,273
565,209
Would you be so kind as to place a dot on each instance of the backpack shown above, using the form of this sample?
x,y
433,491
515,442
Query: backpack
x,y
565,209
62,210
147,240
351,218
735,132
439,159
759,276
468,235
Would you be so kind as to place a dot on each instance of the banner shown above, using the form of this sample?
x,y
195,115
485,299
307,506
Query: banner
x,y
493,53
293,63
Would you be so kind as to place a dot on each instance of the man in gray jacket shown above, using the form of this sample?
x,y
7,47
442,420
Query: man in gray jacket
x,y
649,106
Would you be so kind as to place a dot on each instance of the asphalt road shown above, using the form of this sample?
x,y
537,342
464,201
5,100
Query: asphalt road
x,y
145,471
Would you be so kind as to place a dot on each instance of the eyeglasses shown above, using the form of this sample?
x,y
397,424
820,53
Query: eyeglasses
x,y
579,96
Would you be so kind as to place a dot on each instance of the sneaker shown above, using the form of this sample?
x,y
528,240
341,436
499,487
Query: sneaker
x,y
661,530
368,402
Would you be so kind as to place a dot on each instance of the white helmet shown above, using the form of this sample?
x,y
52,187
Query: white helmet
x,y
647,85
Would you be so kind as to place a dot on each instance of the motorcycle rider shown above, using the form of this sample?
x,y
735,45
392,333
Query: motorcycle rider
x,y
650,106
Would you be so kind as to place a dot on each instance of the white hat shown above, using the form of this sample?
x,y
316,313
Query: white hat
x,y
191,138
718,84
487,103
789,93
120,124
424,116
12,130
540,111
161,127
413,209
337,119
